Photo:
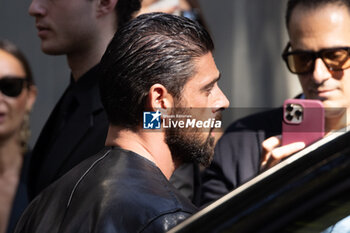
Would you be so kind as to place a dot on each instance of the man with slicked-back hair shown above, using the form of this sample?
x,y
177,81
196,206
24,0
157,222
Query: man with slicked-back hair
x,y
157,65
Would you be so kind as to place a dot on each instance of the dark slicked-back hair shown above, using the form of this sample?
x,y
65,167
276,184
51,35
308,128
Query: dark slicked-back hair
x,y
312,4
12,49
153,48
125,10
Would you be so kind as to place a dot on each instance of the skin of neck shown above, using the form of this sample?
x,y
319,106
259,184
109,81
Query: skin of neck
x,y
11,160
11,157
150,145
82,60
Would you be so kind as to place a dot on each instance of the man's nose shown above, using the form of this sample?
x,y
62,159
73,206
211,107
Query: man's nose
x,y
321,72
37,8
222,101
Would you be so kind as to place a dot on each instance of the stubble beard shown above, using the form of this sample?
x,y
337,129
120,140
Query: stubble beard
x,y
187,145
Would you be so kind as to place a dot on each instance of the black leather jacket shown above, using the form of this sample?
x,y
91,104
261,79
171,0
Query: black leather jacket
x,y
113,191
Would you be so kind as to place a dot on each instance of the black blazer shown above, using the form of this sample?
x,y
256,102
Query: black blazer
x,y
238,153
83,135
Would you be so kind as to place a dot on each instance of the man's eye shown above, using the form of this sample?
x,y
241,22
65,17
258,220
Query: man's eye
x,y
208,90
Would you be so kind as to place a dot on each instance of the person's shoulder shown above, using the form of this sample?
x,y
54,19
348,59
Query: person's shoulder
x,y
149,209
165,222
144,196
139,182
268,120
115,188
250,130
62,188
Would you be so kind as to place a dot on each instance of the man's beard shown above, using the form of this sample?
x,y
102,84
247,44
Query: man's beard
x,y
187,145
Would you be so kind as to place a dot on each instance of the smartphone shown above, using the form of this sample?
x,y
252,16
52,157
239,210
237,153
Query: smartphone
x,y
303,121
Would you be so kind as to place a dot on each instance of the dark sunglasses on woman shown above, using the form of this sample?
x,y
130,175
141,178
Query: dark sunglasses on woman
x,y
303,62
12,86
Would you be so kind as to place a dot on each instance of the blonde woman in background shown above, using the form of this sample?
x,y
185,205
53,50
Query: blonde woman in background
x,y
17,96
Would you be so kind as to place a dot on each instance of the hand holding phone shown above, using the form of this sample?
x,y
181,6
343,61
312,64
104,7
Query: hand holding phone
x,y
303,121
273,152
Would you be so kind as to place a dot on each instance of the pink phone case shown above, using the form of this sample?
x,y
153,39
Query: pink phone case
x,y
303,121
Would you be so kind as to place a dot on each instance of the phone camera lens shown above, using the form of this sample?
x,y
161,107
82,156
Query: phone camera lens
x,y
298,113
289,117
289,108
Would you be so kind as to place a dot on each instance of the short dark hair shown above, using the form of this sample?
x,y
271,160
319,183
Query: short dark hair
x,y
312,4
153,48
12,49
125,10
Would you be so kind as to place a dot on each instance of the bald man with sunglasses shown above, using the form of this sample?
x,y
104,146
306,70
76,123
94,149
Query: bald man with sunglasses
x,y
318,53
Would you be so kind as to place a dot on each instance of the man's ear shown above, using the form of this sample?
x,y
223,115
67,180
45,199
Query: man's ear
x,y
105,6
160,99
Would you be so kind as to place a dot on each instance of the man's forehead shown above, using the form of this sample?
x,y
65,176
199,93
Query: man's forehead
x,y
323,27
309,10
205,69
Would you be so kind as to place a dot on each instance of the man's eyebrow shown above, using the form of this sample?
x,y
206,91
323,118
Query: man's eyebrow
x,y
211,84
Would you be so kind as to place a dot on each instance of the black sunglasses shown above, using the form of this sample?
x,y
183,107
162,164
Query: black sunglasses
x,y
303,62
12,86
